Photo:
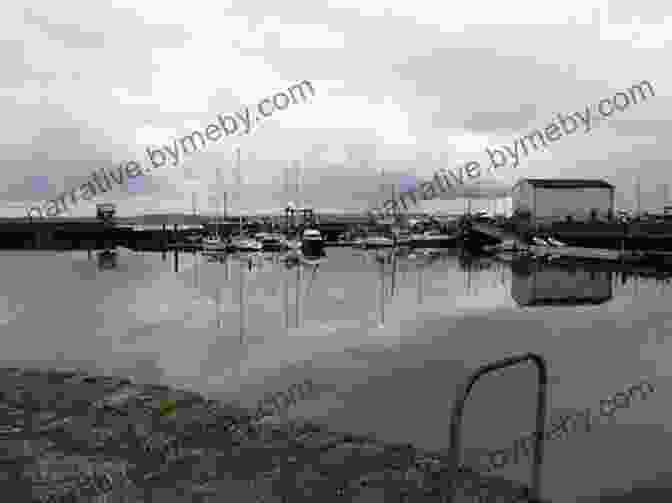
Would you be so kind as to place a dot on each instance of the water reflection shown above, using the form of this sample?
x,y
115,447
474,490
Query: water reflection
x,y
107,260
537,284
260,286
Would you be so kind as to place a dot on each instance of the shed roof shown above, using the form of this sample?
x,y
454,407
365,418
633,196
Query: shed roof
x,y
566,183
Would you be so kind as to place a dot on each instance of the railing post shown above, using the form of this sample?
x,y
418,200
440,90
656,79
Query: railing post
x,y
458,409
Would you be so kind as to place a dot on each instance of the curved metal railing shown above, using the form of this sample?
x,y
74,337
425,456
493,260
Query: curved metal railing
x,y
458,409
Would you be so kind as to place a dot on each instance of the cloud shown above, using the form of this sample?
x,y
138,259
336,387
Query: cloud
x,y
87,87
71,35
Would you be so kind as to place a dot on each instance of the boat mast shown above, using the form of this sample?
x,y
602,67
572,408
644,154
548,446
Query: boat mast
x,y
297,179
238,182
219,177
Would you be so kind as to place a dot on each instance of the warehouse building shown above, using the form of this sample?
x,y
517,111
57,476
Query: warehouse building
x,y
552,200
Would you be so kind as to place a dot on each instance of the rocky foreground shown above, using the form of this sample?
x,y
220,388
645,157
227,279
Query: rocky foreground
x,y
66,436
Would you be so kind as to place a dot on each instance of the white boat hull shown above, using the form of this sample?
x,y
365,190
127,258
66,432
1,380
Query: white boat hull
x,y
214,246
246,246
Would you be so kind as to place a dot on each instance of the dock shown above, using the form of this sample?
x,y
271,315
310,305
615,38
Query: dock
x,y
580,252
631,257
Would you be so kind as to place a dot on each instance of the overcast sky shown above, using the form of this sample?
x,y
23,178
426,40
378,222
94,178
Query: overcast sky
x,y
404,86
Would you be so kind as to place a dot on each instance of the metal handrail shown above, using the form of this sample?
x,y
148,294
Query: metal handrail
x,y
458,409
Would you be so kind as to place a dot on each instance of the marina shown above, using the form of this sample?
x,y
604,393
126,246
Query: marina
x,y
255,323
284,255
271,300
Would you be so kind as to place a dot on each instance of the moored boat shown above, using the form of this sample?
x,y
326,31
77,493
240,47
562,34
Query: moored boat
x,y
271,242
214,244
244,244
433,240
312,243
359,243
378,242
193,239
292,244
404,239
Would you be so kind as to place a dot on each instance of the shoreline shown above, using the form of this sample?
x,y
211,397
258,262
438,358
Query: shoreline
x,y
69,431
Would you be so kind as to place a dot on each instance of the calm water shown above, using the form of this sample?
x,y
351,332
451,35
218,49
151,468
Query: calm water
x,y
386,344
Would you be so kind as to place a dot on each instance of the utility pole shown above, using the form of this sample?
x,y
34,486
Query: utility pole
x,y
666,189
299,182
217,216
382,183
225,201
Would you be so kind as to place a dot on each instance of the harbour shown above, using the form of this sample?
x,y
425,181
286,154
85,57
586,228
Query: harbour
x,y
286,255
256,324
267,300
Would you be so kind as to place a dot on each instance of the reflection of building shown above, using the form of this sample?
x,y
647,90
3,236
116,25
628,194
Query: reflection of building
x,y
535,284
551,200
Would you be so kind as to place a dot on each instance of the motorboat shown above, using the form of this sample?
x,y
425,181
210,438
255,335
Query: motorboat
x,y
506,246
378,242
214,244
359,243
271,242
554,242
244,244
404,239
292,244
292,257
193,238
312,243
433,239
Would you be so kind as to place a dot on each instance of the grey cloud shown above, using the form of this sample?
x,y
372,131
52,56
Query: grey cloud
x,y
70,34
127,25
498,120
15,69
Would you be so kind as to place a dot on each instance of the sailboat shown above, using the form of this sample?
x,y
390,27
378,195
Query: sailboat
x,y
242,242
312,241
215,243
